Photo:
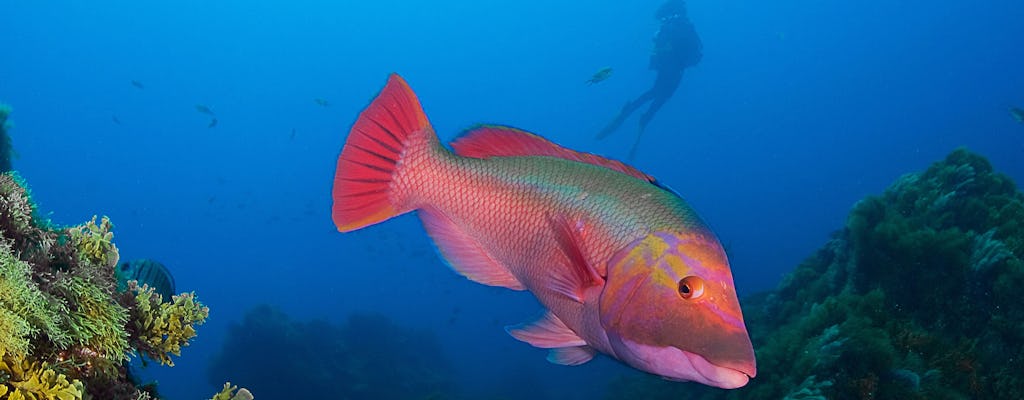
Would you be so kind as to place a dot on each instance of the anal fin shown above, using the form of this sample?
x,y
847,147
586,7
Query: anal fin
x,y
464,253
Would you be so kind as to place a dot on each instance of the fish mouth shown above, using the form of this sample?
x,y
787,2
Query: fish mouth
x,y
717,375
675,364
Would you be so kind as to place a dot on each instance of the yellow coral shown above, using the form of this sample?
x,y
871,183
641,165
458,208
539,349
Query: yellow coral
x,y
95,243
32,380
228,393
164,328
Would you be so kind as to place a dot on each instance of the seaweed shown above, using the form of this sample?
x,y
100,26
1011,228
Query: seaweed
x,y
66,332
21,378
161,328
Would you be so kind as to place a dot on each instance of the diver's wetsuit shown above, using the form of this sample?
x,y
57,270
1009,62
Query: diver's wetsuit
x,y
676,47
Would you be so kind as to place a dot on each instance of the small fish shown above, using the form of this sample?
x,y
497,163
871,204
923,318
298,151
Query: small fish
x,y
148,272
622,264
115,119
321,102
291,136
213,123
600,76
204,109
1017,113
138,84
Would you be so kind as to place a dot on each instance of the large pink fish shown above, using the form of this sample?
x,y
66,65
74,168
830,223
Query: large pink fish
x,y
624,266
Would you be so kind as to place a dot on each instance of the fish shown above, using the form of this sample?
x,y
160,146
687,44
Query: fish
x,y
1017,113
115,119
138,84
146,272
622,265
321,102
204,110
213,123
600,76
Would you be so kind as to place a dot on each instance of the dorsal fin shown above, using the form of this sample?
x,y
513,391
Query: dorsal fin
x,y
488,141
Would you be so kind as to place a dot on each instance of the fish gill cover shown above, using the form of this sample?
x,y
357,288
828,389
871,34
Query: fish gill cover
x,y
918,297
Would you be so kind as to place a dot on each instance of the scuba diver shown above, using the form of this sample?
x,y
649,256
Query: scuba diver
x,y
676,47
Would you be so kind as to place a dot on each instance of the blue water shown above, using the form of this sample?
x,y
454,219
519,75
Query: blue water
x,y
798,109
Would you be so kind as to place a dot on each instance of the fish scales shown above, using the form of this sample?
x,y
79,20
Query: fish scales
x,y
622,265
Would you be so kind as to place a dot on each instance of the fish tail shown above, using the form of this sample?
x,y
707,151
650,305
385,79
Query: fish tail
x,y
391,140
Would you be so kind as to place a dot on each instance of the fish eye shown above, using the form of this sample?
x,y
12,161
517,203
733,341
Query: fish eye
x,y
691,287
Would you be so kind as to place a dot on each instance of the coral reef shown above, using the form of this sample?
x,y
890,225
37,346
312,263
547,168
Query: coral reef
x,y
919,297
162,328
24,379
65,330
231,392
368,357
26,311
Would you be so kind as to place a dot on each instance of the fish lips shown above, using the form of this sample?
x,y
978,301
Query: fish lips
x,y
675,364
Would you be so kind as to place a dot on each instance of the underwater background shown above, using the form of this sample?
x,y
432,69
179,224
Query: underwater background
x,y
798,110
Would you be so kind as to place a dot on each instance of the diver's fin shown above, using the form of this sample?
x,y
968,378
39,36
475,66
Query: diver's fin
x,y
547,332
571,355
619,119
577,274
464,253
488,141
636,143
377,140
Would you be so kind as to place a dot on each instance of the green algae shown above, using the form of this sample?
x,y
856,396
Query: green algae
x,y
66,332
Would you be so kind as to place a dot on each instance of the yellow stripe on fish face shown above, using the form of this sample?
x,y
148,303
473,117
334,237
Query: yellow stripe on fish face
x,y
644,300
696,255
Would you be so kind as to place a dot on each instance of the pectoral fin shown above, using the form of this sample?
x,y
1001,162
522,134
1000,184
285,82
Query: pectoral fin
x,y
571,355
576,274
547,332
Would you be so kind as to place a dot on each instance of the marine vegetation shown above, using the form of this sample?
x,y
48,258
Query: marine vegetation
x,y
918,297
232,392
367,357
24,379
66,331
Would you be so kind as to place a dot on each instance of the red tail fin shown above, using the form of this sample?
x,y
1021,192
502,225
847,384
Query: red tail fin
x,y
363,179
